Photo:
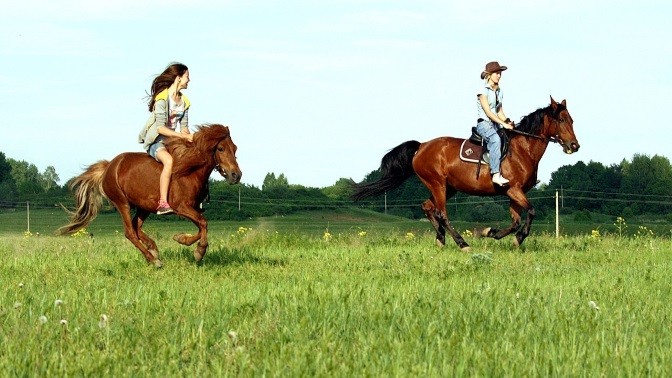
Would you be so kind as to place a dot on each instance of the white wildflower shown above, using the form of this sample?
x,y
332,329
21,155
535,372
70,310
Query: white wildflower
x,y
593,305
58,302
42,319
233,335
102,323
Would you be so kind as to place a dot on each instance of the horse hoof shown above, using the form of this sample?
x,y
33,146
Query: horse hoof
x,y
158,263
198,256
154,253
439,243
484,232
466,249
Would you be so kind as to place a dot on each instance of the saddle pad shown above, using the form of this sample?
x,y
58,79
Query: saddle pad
x,y
471,152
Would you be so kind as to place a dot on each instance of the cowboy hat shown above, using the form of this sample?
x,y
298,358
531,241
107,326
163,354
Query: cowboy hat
x,y
491,68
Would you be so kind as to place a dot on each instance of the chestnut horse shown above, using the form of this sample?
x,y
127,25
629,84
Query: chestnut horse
x,y
438,165
131,180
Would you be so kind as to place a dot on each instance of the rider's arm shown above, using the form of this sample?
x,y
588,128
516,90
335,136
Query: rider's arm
x,y
483,100
508,124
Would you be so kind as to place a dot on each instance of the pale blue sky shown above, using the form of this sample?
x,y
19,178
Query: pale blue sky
x,y
320,90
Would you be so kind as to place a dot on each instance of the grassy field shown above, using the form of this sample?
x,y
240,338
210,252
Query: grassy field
x,y
334,296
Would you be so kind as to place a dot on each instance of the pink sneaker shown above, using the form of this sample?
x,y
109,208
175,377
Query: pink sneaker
x,y
164,208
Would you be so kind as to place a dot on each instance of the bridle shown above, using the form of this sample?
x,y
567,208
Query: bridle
x,y
218,163
552,139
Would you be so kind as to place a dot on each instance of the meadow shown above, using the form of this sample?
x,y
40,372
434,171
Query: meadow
x,y
334,295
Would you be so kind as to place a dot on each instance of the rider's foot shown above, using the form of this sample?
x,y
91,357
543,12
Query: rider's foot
x,y
498,179
164,208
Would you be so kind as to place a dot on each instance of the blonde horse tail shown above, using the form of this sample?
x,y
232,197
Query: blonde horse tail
x,y
89,196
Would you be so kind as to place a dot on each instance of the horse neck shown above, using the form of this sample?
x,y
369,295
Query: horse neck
x,y
529,150
194,165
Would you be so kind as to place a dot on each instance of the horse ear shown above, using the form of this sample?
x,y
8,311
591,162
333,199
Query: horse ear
x,y
553,103
564,103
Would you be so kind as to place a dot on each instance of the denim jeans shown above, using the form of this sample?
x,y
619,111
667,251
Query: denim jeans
x,y
488,132
157,145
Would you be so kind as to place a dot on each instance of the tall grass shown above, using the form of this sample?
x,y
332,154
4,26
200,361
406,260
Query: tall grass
x,y
354,301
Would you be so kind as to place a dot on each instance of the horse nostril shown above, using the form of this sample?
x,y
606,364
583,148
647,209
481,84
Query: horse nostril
x,y
575,146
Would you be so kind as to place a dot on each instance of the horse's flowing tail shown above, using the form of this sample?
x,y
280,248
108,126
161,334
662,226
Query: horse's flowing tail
x,y
395,168
89,196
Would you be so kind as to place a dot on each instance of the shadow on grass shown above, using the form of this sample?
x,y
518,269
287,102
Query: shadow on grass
x,y
222,256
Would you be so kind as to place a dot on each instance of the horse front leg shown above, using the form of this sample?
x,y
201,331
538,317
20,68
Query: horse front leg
x,y
497,234
525,230
201,236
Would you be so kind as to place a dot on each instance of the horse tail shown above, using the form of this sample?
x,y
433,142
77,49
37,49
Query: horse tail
x,y
89,195
395,168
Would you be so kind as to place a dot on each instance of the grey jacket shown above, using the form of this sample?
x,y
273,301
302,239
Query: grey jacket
x,y
159,117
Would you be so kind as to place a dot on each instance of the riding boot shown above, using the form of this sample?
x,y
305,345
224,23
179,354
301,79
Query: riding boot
x,y
498,179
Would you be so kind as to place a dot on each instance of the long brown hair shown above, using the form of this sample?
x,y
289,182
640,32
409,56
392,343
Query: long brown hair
x,y
165,80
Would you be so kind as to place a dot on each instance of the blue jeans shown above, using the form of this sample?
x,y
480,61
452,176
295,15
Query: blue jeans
x,y
488,132
157,145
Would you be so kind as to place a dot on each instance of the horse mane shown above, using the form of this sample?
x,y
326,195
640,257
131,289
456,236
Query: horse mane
x,y
187,157
533,122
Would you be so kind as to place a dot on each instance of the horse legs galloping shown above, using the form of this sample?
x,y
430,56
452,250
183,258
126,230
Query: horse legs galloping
x,y
138,221
435,210
202,235
525,230
134,233
517,204
430,211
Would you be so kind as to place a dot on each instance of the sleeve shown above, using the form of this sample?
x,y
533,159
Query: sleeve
x,y
160,113
151,130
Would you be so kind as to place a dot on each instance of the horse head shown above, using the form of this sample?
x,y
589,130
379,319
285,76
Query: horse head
x,y
560,126
216,140
225,160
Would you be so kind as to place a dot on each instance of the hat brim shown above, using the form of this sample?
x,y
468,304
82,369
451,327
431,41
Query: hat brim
x,y
500,69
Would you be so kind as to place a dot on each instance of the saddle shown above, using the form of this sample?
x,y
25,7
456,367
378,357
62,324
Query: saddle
x,y
474,149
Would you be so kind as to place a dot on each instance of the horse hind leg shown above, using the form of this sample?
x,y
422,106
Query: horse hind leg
x,y
132,235
149,243
459,240
430,212
435,209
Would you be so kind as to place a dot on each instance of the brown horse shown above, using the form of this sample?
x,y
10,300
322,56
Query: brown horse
x,y
131,180
438,165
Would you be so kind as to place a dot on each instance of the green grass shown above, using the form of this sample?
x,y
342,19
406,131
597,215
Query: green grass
x,y
273,298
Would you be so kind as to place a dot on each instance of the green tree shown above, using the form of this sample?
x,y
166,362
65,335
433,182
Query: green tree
x,y
340,190
271,182
26,177
50,178
7,184
5,168
651,177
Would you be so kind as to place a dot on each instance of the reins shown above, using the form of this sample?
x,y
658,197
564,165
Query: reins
x,y
531,135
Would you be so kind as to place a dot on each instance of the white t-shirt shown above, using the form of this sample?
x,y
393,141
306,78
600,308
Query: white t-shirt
x,y
175,113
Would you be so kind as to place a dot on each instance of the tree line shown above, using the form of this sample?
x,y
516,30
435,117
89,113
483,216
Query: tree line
x,y
640,186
